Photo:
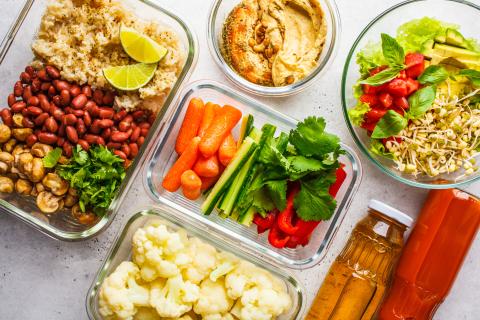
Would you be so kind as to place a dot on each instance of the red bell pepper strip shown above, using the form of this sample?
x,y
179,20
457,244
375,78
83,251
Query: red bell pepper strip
x,y
277,238
285,218
341,176
296,241
263,224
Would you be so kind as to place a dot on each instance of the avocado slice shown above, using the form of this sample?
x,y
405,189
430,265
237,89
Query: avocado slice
x,y
427,48
446,51
455,38
441,38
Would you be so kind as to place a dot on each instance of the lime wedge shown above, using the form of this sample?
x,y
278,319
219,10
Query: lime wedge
x,y
130,77
140,47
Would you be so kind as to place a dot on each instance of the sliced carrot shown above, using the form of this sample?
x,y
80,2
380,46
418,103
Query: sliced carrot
x,y
211,110
223,122
191,185
207,167
190,124
227,150
185,162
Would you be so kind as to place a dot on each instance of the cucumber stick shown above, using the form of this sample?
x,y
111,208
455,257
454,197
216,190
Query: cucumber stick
x,y
246,127
243,154
247,217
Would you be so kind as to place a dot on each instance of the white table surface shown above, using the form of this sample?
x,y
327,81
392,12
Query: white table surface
x,y
41,278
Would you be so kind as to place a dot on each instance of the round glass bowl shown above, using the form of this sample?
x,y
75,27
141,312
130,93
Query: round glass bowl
x,y
462,13
220,11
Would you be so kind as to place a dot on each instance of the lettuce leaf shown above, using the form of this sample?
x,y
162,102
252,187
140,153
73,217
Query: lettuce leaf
x,y
371,56
357,113
377,147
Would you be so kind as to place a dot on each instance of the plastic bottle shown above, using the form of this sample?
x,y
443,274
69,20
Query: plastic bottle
x,y
356,282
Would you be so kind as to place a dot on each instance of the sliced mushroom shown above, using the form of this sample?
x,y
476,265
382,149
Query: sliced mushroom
x,y
83,217
24,162
72,192
18,120
40,149
18,149
9,145
6,185
40,187
23,186
55,184
38,170
21,134
47,202
70,200
5,133
6,161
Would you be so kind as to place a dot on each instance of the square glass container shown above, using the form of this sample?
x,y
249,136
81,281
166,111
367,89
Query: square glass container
x,y
164,156
15,54
122,248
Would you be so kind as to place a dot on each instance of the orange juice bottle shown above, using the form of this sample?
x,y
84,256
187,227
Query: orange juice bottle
x,y
356,282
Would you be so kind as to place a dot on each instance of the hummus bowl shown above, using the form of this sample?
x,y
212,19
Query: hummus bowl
x,y
273,49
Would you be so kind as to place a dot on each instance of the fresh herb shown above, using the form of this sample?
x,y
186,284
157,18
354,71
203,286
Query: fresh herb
x,y
313,202
420,102
473,75
433,75
378,148
51,159
357,114
389,125
392,51
383,76
96,175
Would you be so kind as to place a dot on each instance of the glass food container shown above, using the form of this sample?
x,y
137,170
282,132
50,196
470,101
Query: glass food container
x,y
219,12
122,247
15,54
462,13
164,156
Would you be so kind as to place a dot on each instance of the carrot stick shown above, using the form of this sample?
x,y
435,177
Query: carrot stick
x,y
208,182
227,150
207,167
211,110
191,185
190,124
223,122
185,162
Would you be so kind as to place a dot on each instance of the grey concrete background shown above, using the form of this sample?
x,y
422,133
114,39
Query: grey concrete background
x,y
41,278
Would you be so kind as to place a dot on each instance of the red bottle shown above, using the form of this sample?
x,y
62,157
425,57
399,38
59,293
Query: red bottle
x,y
433,255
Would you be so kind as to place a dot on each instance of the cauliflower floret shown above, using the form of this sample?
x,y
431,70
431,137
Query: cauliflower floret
x,y
120,293
226,262
146,314
154,249
203,260
174,298
263,304
213,301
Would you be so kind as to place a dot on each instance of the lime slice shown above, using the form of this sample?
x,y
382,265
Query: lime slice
x,y
130,77
140,47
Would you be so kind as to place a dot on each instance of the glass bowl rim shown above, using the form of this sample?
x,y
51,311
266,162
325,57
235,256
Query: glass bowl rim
x,y
345,106
283,91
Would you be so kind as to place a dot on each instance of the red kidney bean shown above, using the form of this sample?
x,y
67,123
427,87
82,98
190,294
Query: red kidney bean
x,y
31,71
24,112
51,125
81,128
75,90
42,74
133,150
105,123
47,137
57,100
95,128
78,113
121,154
144,132
57,113
7,118
18,89
106,133
124,126
138,114
31,140
33,101
87,90
61,130
60,142
18,106
69,119
40,120
100,141
36,85
140,141
11,99
67,110
114,145
61,85
106,113
27,93
125,149
91,138
52,72
135,134
120,136
72,134
151,118
51,92
25,78
67,149
128,118
65,97
43,102
89,106
79,101
28,123
87,119
98,96
45,86
84,144
120,115
144,125
34,111
108,98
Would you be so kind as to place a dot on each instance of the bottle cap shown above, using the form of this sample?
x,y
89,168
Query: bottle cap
x,y
391,212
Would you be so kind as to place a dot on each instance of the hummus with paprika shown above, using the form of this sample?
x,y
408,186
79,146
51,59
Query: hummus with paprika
x,y
274,42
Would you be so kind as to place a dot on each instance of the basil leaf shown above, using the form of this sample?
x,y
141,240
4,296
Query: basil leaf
x,y
421,101
473,75
390,124
382,77
392,51
433,75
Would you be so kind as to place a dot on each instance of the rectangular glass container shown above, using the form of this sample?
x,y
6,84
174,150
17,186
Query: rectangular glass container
x,y
122,248
15,54
163,157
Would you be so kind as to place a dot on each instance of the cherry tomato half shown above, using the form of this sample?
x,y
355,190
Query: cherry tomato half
x,y
385,99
